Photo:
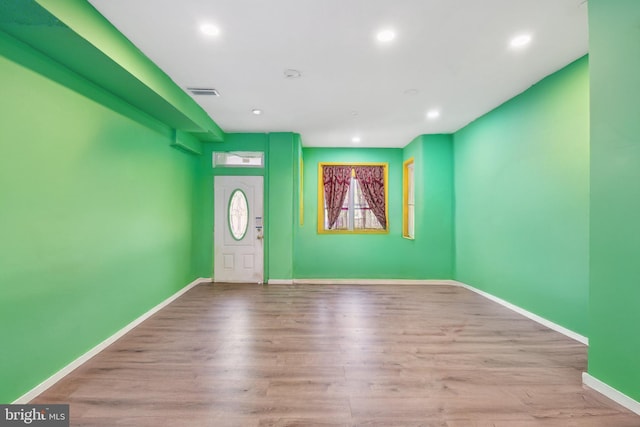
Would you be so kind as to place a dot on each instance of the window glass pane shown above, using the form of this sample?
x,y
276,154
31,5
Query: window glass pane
x,y
410,220
238,214
408,207
411,202
250,159
342,223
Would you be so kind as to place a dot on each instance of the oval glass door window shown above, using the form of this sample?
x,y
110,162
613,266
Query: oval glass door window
x,y
238,214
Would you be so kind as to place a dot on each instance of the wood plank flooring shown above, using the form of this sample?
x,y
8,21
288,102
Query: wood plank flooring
x,y
317,355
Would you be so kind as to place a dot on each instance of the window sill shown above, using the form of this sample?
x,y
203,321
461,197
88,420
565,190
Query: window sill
x,y
353,231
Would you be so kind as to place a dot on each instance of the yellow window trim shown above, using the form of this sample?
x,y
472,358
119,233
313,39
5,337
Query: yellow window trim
x,y
321,229
405,196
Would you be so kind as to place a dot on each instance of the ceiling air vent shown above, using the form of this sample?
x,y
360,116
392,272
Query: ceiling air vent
x,y
203,91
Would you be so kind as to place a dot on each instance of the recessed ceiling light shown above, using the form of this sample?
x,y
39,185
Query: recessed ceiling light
x,y
210,30
520,41
411,92
290,73
256,111
433,114
356,139
385,36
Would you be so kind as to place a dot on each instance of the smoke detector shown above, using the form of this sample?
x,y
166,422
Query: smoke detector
x,y
290,73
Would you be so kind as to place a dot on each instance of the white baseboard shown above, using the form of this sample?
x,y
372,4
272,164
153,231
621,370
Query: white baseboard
x,y
280,281
548,323
371,282
33,393
611,393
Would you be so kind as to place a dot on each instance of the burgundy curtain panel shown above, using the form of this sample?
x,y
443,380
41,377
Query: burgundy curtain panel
x,y
336,181
371,180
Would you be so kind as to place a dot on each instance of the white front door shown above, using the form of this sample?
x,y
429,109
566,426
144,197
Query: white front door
x,y
238,229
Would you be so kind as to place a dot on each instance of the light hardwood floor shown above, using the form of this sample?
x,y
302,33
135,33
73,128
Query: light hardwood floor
x,y
317,355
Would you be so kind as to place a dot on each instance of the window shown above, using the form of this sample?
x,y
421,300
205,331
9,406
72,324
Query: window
x,y
238,159
238,214
408,200
352,198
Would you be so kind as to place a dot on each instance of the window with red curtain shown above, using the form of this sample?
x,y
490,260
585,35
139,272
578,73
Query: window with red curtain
x,y
336,181
372,184
352,198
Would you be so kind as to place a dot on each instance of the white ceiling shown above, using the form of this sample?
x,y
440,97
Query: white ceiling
x,y
455,53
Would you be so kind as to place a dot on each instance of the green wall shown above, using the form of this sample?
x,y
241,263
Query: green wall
x,y
432,250
282,196
95,217
614,341
296,251
375,256
522,199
